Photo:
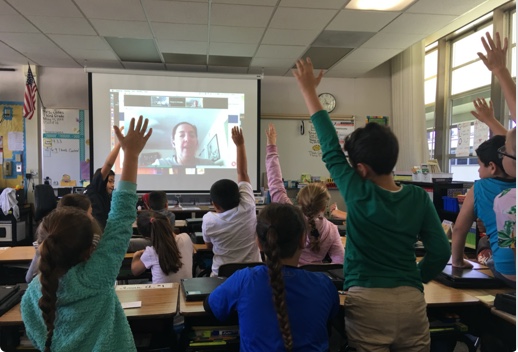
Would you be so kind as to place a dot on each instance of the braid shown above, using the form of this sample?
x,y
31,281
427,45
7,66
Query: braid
x,y
49,279
277,283
314,236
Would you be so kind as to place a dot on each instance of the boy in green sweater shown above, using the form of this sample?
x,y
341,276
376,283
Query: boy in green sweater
x,y
382,280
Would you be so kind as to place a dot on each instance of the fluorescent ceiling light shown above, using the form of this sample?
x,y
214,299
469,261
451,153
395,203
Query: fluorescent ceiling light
x,y
379,5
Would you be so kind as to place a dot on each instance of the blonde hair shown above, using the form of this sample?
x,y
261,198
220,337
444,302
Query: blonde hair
x,y
313,200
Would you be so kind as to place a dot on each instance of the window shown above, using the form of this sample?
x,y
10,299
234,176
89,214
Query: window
x,y
430,88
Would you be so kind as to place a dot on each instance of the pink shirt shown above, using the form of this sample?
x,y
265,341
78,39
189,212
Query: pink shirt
x,y
330,242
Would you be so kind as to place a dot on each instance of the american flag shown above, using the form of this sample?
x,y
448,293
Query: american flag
x,y
29,99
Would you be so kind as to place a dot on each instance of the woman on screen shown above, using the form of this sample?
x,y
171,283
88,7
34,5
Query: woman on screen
x,y
185,143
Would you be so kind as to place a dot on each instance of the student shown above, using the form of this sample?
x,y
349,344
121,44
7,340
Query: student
x,y
322,238
383,221
169,257
157,201
303,303
184,140
75,200
72,305
229,230
479,203
505,203
101,187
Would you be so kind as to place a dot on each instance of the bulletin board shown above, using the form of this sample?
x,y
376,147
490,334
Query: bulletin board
x,y
12,144
65,147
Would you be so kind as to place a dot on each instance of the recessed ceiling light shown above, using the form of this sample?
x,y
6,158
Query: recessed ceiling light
x,y
379,5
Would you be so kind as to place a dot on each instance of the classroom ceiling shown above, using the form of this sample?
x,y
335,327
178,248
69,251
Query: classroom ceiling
x,y
223,36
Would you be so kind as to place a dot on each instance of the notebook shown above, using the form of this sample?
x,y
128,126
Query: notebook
x,y
466,278
198,288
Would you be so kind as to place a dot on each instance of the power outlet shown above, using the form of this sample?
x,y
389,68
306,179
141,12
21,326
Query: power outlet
x,y
18,168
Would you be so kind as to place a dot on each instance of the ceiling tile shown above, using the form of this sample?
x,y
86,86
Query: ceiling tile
x,y
320,4
232,49
290,18
290,36
182,47
10,56
50,8
187,68
373,55
15,23
143,66
27,42
361,21
392,40
98,55
410,23
6,9
129,10
122,29
185,59
62,25
103,64
174,31
341,39
228,69
444,7
138,50
280,51
324,58
349,69
244,35
268,71
177,11
87,42
243,16
247,2
220,60
53,59
277,63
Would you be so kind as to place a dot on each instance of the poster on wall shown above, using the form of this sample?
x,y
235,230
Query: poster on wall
x,y
463,141
481,134
343,129
64,146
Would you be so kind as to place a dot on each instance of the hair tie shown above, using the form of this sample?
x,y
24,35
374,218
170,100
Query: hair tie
x,y
152,220
96,239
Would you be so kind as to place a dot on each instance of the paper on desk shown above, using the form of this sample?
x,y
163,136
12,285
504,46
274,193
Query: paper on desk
x,y
128,305
142,287
486,298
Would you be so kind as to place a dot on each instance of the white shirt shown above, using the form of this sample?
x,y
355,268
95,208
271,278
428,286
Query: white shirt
x,y
232,233
150,260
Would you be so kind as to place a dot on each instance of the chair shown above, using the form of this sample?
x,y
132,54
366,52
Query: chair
x,y
44,201
321,267
228,269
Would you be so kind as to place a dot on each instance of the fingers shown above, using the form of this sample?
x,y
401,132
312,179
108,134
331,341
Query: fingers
x,y
484,43
118,133
490,41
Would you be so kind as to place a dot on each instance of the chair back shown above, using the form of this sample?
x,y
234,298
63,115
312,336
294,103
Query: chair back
x,y
44,201
320,267
228,269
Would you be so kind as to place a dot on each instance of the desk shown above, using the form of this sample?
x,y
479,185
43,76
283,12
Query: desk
x,y
156,303
24,254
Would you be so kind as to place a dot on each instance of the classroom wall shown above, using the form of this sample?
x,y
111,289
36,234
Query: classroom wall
x,y
68,88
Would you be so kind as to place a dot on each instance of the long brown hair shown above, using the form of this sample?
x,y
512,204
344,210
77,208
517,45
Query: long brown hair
x,y
280,228
159,229
313,200
68,233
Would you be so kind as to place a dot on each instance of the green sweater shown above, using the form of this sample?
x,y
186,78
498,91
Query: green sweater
x,y
89,316
382,226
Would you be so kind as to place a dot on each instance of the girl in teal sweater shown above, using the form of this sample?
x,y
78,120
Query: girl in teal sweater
x,y
72,305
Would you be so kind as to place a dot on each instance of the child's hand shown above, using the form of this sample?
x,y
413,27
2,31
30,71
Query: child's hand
x,y
307,81
237,136
271,135
135,138
484,112
495,53
333,207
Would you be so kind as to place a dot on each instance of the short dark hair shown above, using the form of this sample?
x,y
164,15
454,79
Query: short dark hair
x,y
373,145
75,200
184,123
157,200
488,151
225,194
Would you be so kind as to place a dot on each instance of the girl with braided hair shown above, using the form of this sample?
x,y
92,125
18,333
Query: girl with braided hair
x,y
322,238
72,305
169,257
277,303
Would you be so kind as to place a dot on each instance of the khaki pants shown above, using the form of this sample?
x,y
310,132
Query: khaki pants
x,y
387,319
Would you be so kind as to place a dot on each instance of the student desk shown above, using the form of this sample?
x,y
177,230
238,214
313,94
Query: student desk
x,y
24,255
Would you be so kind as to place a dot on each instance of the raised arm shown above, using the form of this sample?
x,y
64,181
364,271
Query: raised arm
x,y
308,84
485,113
273,168
494,60
460,230
110,159
242,166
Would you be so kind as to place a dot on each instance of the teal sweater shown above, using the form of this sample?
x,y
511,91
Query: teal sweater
x,y
382,226
89,316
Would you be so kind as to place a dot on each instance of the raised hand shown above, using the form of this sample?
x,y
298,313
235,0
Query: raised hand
x,y
308,84
135,138
237,136
483,112
271,135
495,53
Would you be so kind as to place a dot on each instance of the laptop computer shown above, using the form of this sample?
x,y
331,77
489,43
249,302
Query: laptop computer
x,y
198,288
10,296
466,278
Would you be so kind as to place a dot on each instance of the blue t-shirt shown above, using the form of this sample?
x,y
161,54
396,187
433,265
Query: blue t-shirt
x,y
485,192
312,301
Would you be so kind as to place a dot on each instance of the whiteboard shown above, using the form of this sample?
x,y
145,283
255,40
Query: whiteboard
x,y
65,139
